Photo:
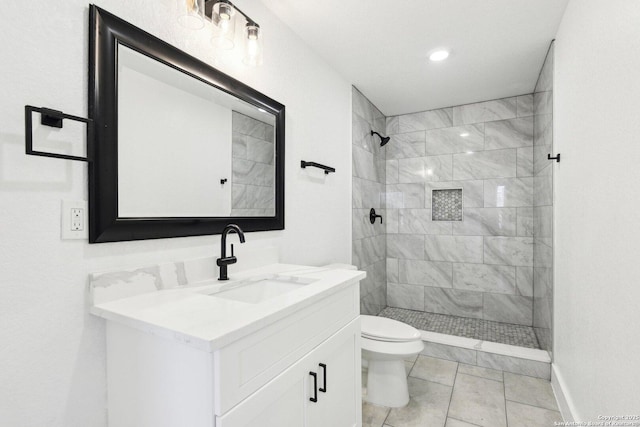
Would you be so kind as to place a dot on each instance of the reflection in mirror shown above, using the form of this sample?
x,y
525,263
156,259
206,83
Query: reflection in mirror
x,y
253,169
188,149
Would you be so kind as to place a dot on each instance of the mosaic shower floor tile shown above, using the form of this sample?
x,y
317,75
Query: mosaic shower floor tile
x,y
505,333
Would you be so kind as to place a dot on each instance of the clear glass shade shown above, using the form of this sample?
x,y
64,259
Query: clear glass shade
x,y
252,45
191,13
224,26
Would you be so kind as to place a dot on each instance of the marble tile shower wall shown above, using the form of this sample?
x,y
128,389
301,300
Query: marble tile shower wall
x,y
480,267
543,205
369,240
253,167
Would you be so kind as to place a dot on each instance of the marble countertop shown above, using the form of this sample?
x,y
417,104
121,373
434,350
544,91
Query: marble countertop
x,y
193,315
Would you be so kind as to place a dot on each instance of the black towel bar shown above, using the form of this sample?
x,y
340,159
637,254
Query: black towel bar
x,y
53,118
326,169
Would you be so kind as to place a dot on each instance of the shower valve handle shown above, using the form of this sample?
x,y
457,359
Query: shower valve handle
x,y
373,216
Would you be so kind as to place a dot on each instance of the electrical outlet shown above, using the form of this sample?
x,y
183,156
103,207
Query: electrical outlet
x,y
74,219
77,219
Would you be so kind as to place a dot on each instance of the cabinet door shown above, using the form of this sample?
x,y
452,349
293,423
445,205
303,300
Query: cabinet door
x,y
340,404
285,401
280,403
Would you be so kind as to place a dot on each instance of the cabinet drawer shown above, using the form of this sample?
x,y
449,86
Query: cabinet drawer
x,y
244,366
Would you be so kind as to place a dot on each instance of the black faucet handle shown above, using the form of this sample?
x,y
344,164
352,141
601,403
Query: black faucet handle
x,y
226,261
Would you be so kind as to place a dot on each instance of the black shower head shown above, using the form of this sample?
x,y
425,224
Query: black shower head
x,y
383,139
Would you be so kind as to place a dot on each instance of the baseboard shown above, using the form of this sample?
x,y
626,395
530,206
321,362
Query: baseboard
x,y
562,396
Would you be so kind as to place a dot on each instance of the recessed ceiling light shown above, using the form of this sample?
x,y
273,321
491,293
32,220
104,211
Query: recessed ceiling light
x,y
439,55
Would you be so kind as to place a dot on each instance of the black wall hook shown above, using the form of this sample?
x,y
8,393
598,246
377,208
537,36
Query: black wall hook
x,y
556,158
373,216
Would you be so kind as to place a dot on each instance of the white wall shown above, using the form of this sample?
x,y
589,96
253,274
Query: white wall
x,y
597,185
52,369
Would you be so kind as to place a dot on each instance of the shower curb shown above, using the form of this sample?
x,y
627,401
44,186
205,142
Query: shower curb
x,y
486,354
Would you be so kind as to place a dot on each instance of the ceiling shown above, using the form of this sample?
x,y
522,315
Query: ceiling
x,y
497,46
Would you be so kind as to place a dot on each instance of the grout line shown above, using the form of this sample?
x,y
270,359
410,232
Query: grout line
x,y
463,421
525,375
387,416
478,376
504,395
452,388
533,406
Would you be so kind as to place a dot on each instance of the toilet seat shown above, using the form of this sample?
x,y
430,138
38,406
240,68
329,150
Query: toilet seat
x,y
389,349
387,330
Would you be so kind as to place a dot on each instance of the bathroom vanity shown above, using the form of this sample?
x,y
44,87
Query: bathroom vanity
x,y
275,346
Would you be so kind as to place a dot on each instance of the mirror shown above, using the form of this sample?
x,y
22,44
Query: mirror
x,y
180,148
227,143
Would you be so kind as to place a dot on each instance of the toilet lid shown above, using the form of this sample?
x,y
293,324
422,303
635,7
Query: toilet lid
x,y
384,329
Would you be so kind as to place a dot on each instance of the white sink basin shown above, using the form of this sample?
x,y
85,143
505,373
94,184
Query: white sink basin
x,y
258,290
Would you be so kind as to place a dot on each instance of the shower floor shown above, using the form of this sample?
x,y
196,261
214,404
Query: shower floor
x,y
485,330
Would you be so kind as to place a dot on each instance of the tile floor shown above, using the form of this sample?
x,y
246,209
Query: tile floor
x,y
451,394
484,330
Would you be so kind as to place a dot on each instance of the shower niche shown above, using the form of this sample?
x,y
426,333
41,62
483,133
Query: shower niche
x,y
446,205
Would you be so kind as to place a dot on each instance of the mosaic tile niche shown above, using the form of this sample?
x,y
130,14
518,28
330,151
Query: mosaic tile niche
x,y
446,205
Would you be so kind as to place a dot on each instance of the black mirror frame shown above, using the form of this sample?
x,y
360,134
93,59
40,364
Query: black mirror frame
x,y
105,33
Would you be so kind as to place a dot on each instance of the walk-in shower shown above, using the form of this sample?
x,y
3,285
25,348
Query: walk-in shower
x,y
465,248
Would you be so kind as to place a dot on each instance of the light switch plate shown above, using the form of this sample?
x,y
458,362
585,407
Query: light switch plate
x,y
74,220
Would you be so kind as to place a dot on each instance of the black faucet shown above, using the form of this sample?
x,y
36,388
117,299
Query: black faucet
x,y
224,261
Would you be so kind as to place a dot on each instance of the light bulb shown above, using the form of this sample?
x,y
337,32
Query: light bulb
x,y
253,45
224,28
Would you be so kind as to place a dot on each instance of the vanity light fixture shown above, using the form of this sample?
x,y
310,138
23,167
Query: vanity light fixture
x,y
439,55
222,15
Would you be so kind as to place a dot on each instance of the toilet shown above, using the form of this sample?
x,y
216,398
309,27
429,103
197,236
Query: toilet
x,y
385,345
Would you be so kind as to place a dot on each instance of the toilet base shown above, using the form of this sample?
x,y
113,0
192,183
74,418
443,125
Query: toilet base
x,y
387,383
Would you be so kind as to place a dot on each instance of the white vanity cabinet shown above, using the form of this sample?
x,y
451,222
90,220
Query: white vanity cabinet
x,y
263,377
